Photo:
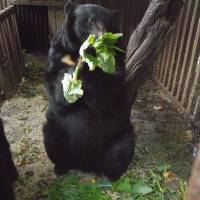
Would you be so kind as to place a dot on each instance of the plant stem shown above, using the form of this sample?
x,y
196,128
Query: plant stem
x,y
117,48
78,69
182,189
157,183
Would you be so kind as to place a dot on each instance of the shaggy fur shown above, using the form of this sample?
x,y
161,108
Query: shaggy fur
x,y
8,172
94,133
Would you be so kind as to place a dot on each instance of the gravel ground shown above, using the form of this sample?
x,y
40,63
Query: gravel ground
x,y
23,119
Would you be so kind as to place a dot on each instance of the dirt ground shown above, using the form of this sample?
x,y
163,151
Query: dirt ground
x,y
162,135
23,119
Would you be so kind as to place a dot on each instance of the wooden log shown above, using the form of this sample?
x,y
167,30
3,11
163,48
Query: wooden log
x,y
147,41
193,191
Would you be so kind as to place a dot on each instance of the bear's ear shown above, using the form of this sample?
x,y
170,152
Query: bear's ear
x,y
116,14
68,40
68,6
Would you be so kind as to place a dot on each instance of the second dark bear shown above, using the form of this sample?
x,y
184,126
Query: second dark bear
x,y
93,134
8,172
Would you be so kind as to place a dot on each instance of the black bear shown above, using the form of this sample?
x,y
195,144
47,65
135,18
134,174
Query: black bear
x,y
93,134
8,172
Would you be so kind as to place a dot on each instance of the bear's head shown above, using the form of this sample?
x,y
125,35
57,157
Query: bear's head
x,y
83,20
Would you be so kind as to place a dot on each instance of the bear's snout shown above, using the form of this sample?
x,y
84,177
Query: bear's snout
x,y
98,29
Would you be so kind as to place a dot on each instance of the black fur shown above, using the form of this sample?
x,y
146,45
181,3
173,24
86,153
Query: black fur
x,y
93,134
8,172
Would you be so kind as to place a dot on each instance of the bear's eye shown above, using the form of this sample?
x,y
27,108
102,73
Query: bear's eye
x,y
91,20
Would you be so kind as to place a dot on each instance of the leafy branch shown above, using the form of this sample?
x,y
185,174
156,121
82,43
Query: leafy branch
x,y
104,59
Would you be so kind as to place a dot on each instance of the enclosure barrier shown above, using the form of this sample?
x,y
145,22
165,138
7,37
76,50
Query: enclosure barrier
x,y
178,70
32,23
50,14
11,60
3,4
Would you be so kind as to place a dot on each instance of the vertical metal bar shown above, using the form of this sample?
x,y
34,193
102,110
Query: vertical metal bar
x,y
196,112
181,47
175,51
191,47
163,63
168,57
196,79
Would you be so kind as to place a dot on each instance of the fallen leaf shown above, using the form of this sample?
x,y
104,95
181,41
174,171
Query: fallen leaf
x,y
104,185
93,181
138,100
169,176
189,135
157,108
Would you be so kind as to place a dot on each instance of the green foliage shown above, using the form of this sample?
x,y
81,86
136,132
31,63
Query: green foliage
x,y
163,167
143,184
71,188
152,185
34,67
72,88
105,51
122,185
28,91
141,188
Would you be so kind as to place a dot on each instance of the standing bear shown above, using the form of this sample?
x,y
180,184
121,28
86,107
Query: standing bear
x,y
94,134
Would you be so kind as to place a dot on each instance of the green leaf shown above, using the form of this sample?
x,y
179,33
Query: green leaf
x,y
72,88
164,167
122,185
141,188
89,42
105,51
106,61
107,38
104,47
90,60
118,49
91,39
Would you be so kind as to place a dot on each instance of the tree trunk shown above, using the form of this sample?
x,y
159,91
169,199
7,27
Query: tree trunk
x,y
146,42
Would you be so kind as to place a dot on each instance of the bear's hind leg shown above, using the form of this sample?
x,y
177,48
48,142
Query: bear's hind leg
x,y
117,158
56,148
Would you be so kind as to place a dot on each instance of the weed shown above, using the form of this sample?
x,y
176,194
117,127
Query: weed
x,y
71,188
151,184
34,67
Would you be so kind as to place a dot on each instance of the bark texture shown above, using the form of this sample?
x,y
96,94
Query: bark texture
x,y
147,41
193,191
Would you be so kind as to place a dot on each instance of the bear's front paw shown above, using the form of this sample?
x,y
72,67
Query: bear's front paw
x,y
91,51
